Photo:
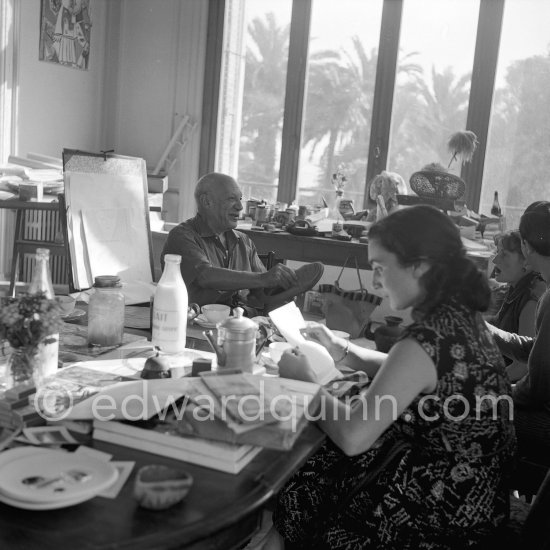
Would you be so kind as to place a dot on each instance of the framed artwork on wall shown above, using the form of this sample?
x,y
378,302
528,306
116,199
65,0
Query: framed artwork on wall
x,y
65,30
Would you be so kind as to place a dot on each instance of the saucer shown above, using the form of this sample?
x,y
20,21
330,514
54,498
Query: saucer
x,y
203,322
75,314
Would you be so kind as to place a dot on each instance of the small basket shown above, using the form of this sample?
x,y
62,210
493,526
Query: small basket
x,y
436,184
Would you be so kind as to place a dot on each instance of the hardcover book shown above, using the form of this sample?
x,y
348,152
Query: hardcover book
x,y
162,435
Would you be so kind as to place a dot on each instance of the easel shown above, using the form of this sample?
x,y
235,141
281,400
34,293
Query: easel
x,y
107,217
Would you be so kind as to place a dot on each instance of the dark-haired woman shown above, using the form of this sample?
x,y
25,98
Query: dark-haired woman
x,y
525,288
419,461
532,392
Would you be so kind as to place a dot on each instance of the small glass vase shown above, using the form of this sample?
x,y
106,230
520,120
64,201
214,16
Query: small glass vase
x,y
23,367
335,215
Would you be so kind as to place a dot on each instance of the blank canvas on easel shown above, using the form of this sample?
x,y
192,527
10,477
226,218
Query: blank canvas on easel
x,y
108,221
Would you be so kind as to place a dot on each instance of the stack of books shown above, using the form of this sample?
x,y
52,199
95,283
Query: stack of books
x,y
288,406
161,437
17,408
219,421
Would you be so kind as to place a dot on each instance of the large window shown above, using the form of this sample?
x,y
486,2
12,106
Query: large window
x,y
309,86
343,52
254,69
436,55
518,153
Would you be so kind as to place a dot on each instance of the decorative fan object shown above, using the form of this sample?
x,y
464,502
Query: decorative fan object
x,y
437,184
462,145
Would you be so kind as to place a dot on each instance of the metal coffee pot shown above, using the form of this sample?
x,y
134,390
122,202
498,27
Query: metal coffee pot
x,y
235,347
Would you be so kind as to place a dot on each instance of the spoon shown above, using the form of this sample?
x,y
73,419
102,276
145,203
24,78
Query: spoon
x,y
72,476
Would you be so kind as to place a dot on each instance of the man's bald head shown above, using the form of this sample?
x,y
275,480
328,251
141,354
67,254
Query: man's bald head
x,y
214,184
218,198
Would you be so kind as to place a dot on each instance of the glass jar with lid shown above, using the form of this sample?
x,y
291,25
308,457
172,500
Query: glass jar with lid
x,y
106,312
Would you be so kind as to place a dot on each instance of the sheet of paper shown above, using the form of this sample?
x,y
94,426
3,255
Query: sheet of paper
x,y
124,470
137,400
107,218
288,320
88,451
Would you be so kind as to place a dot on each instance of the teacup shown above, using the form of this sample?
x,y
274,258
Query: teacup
x,y
276,350
66,303
216,313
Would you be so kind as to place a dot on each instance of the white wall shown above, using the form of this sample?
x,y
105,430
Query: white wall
x,y
57,106
160,79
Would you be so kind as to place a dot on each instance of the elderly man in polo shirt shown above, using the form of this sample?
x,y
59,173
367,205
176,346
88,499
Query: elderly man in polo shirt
x,y
220,264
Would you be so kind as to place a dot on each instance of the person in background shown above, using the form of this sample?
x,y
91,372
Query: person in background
x,y
220,264
525,288
531,393
420,461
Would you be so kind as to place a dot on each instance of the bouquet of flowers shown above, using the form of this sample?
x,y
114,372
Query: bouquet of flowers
x,y
339,181
28,319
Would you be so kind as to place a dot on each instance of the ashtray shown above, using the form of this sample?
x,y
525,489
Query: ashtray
x,y
158,487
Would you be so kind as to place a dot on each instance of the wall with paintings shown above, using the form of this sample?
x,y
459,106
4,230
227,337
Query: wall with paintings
x,y
58,106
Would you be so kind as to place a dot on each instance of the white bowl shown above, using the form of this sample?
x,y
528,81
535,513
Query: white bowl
x,y
276,349
216,313
341,334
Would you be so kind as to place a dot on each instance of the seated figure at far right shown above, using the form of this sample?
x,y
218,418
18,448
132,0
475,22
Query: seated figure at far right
x,y
525,287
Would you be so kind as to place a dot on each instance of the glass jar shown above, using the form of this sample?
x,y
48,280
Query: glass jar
x,y
23,367
106,312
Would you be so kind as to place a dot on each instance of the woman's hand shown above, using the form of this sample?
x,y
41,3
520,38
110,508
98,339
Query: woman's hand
x,y
317,332
294,364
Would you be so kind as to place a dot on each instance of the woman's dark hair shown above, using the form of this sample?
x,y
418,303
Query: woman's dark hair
x,y
425,233
511,241
534,227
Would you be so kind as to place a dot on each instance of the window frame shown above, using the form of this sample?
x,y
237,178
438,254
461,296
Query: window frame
x,y
479,107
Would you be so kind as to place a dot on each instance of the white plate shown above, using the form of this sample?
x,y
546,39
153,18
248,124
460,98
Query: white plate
x,y
101,475
203,322
18,452
25,505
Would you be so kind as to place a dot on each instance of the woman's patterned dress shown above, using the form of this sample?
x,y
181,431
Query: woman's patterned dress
x,y
447,487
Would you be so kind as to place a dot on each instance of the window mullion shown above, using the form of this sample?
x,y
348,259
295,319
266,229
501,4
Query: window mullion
x,y
294,100
481,93
212,73
384,89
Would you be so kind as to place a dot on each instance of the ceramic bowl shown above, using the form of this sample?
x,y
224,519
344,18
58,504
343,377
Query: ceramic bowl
x,y
216,313
276,349
66,303
158,487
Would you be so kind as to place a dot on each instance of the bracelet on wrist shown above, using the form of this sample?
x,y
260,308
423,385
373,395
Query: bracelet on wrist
x,y
346,351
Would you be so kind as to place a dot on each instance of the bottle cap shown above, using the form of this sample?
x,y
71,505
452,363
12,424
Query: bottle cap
x,y
172,258
106,281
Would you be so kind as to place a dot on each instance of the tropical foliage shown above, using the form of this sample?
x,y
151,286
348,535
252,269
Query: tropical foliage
x,y
427,109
